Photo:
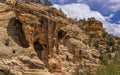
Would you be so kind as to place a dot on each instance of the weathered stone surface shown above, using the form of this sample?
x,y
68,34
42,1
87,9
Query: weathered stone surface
x,y
91,26
79,49
35,39
4,7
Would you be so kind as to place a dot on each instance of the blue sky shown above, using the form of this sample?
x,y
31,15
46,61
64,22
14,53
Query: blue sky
x,y
107,11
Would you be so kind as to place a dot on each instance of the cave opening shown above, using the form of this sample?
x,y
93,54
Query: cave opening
x,y
61,34
15,31
21,34
38,48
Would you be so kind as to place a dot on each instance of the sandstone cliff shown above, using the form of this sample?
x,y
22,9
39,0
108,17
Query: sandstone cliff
x,y
92,27
37,40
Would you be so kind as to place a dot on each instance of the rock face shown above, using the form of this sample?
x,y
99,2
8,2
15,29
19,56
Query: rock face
x,y
92,27
37,40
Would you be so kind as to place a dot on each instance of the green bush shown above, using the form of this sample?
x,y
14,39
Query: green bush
x,y
92,35
110,66
109,69
96,44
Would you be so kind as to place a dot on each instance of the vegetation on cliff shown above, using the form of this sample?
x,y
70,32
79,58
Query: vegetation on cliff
x,y
107,44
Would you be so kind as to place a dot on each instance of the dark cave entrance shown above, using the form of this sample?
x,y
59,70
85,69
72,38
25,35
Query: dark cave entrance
x,y
21,34
15,31
38,48
61,34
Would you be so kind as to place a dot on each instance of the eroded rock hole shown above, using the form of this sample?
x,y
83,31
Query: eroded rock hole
x,y
7,42
38,48
21,34
61,34
13,51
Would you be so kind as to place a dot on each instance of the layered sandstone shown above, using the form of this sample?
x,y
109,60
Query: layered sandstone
x,y
38,40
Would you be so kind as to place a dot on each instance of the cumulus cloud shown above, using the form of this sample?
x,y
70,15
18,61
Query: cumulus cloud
x,y
99,5
110,5
112,28
81,11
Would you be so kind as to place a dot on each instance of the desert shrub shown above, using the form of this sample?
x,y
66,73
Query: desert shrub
x,y
115,48
110,65
109,69
104,34
96,44
92,35
82,70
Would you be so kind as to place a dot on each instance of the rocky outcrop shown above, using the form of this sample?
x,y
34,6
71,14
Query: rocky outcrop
x,y
92,27
38,40
77,46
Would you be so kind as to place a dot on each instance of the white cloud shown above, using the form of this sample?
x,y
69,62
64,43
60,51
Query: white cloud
x,y
81,11
115,5
112,28
110,5
108,18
